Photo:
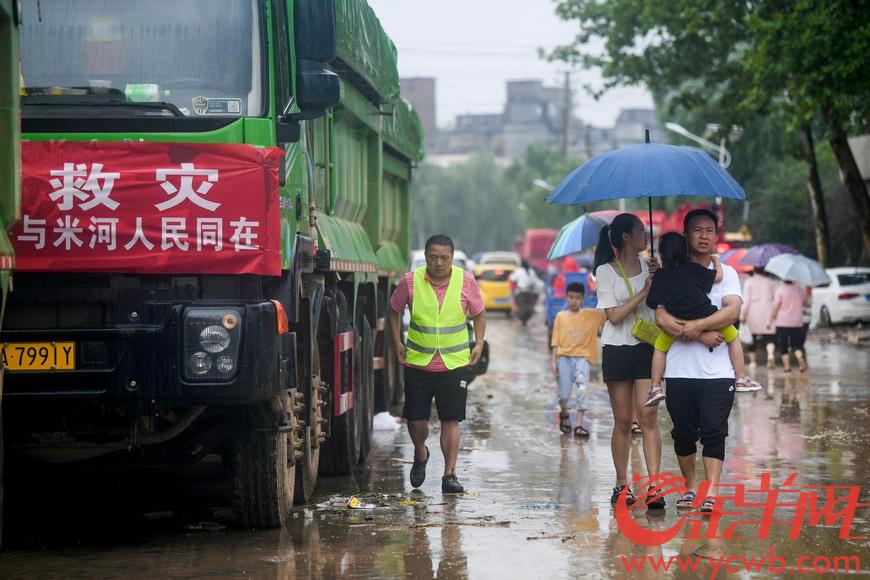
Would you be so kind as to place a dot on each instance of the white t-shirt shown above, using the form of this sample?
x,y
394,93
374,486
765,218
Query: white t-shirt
x,y
612,292
526,280
693,360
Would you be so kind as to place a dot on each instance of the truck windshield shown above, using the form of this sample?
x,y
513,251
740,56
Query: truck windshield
x,y
184,57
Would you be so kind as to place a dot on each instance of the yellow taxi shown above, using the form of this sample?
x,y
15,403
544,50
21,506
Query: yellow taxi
x,y
495,286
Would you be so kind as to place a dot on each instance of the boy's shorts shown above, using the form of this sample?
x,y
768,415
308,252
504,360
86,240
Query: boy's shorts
x,y
665,340
573,376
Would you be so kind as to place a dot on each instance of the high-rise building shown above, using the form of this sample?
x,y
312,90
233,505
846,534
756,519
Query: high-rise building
x,y
420,92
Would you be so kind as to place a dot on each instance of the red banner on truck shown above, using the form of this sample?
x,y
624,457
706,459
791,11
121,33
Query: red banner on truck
x,y
149,208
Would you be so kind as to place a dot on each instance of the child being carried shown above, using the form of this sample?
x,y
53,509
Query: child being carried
x,y
681,287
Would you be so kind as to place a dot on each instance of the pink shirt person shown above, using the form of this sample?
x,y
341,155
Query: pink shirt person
x,y
472,304
790,299
758,293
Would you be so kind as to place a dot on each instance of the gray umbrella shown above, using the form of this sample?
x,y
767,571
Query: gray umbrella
x,y
797,268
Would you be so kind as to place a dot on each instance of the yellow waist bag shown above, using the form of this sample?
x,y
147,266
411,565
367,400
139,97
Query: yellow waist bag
x,y
643,330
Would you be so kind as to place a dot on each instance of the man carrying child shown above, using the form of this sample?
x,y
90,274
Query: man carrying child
x,y
575,348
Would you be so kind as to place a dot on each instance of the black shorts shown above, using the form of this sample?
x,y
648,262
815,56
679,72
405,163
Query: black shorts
x,y
449,389
626,363
761,340
790,339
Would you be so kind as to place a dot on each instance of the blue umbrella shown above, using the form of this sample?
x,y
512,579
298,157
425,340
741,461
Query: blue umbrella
x,y
580,234
646,170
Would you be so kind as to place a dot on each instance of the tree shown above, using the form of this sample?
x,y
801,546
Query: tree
x,y
471,202
812,57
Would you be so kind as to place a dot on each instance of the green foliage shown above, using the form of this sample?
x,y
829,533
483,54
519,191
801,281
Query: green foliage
x,y
546,163
471,202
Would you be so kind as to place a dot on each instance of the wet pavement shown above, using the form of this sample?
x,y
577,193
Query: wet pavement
x,y
537,504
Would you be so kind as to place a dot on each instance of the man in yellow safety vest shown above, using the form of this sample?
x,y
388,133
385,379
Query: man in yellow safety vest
x,y
438,352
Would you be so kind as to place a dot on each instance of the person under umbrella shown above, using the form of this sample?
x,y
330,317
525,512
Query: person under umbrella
x,y
788,302
758,290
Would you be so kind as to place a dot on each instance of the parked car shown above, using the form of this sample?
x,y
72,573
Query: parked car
x,y
495,286
418,258
845,299
503,258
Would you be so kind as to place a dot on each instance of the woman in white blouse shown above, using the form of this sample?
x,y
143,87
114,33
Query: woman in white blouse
x,y
626,362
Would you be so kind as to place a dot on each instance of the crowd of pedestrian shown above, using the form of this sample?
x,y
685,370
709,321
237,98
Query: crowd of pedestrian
x,y
669,334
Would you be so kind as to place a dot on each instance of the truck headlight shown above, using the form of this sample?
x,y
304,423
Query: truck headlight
x,y
212,337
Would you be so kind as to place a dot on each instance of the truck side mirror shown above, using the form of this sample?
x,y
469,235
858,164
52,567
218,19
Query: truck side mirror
x,y
317,88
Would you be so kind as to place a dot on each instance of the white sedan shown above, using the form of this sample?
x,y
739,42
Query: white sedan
x,y
846,299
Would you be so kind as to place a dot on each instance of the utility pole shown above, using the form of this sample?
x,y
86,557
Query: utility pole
x,y
567,109
588,141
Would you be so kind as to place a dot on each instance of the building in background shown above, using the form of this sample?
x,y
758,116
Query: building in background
x,y
533,113
420,92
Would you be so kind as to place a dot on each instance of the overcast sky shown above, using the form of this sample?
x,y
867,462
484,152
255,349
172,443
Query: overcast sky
x,y
473,46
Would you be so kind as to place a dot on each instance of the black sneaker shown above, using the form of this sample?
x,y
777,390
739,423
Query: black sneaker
x,y
449,484
657,501
629,497
418,470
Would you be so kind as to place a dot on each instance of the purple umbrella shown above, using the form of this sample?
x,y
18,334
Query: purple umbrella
x,y
758,256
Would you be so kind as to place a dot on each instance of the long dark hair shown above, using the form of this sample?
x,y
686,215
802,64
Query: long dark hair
x,y
611,237
673,250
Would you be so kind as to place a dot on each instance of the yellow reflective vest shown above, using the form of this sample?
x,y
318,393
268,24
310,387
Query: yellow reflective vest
x,y
433,329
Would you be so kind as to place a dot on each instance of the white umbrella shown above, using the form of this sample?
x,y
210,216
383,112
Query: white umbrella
x,y
797,268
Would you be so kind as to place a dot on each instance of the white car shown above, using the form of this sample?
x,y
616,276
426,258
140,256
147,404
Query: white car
x,y
845,299
507,258
418,258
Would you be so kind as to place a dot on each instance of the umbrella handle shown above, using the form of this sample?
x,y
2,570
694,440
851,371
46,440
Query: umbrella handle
x,y
652,241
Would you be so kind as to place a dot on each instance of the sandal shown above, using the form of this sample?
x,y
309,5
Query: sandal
x,y
802,365
564,423
580,431
686,501
635,428
709,505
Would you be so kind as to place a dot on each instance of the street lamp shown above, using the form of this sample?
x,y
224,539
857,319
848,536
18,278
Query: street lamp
x,y
720,150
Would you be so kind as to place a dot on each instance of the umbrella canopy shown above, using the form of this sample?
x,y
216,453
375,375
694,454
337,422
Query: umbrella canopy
x,y
646,170
580,234
732,258
759,255
797,268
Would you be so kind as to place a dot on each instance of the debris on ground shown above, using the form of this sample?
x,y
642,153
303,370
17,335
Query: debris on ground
x,y
482,522
542,506
205,527
546,536
402,462
354,503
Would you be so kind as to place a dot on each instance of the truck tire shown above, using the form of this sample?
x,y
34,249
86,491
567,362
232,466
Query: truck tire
x,y
262,478
365,386
384,377
340,453
307,467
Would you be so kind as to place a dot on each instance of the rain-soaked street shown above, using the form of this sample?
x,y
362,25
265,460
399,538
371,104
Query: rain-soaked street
x,y
537,503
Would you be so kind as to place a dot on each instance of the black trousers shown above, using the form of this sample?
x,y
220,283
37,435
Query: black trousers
x,y
699,409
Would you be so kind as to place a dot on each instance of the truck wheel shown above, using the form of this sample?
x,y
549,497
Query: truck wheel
x,y
307,467
365,386
340,453
385,380
263,478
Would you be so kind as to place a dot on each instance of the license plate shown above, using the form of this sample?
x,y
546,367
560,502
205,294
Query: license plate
x,y
38,356
502,300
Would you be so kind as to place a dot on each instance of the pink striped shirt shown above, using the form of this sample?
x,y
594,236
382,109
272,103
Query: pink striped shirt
x,y
472,304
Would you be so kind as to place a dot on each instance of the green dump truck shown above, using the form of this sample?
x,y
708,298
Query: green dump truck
x,y
10,175
215,209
